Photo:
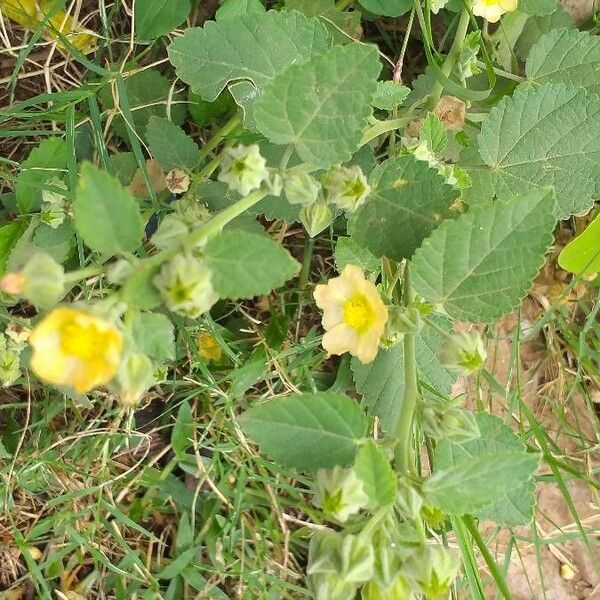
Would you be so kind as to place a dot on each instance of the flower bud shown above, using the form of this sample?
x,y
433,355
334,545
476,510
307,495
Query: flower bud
x,y
274,182
387,556
340,493
451,112
191,210
300,188
401,321
315,218
331,586
346,187
243,168
185,285
178,181
433,569
463,353
41,281
408,500
10,367
357,559
170,232
399,590
52,216
135,377
119,271
433,516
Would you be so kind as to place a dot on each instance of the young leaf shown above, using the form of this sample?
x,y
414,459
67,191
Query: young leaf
x,y
408,201
320,106
541,136
389,95
171,147
106,215
515,506
183,431
9,236
567,56
434,134
582,255
153,335
307,431
376,474
154,18
387,8
245,264
480,265
46,161
381,383
208,58
477,482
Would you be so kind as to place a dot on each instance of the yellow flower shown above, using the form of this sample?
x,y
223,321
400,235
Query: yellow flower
x,y
492,10
354,315
75,348
209,348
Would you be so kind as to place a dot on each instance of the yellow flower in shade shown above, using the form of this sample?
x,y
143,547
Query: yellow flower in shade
x,y
354,315
492,10
75,348
208,347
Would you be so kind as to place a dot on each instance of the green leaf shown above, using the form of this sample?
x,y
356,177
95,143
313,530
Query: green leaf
x,y
387,8
407,202
153,335
106,215
376,474
513,507
183,431
480,265
536,26
180,562
210,57
434,134
343,26
9,236
123,166
154,18
232,9
245,264
139,291
567,56
582,255
541,136
381,383
307,431
477,482
349,252
45,162
538,7
146,94
389,95
319,107
171,147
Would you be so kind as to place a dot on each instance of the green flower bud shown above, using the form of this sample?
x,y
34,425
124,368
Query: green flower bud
x,y
316,217
346,187
243,168
274,182
349,556
433,516
401,320
52,216
387,556
408,500
441,421
433,568
340,493
191,210
119,271
185,285
41,281
463,353
399,590
170,233
135,377
357,559
10,367
331,586
300,188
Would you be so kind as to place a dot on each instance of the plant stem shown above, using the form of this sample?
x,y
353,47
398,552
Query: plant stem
x,y
218,137
489,559
459,38
404,429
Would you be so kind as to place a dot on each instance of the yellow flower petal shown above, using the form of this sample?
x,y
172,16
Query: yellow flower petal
x,y
354,315
75,348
